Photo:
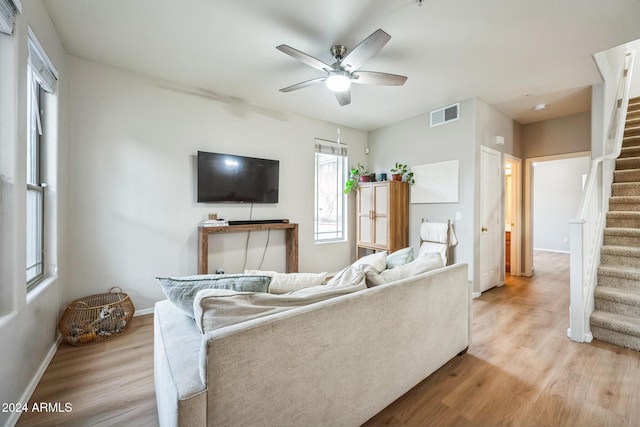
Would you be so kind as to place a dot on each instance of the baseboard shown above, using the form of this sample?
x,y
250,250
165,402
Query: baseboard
x,y
24,400
143,312
551,250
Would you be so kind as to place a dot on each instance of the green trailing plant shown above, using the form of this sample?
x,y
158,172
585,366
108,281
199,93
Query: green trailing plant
x,y
354,176
403,171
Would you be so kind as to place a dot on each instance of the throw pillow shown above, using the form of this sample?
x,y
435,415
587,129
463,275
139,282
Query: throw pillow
x,y
420,265
375,262
400,257
182,290
281,283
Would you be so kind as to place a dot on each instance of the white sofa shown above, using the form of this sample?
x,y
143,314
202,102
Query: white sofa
x,y
332,363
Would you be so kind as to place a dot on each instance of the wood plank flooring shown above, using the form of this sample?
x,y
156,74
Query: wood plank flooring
x,y
520,370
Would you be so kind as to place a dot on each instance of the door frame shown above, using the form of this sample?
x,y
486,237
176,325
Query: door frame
x,y
500,255
516,196
528,204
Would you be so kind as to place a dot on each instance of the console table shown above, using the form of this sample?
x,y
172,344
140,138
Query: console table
x,y
291,239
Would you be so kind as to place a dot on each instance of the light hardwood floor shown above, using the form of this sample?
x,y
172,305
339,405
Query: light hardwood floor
x,y
520,370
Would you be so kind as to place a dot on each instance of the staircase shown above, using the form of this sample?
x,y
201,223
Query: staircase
x,y
616,316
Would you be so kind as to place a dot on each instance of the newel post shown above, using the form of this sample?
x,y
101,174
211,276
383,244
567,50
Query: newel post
x,y
576,329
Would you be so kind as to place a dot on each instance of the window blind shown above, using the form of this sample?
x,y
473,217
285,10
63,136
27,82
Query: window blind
x,y
8,11
41,67
330,147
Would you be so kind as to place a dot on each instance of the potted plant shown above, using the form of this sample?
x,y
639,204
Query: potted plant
x,y
355,175
401,173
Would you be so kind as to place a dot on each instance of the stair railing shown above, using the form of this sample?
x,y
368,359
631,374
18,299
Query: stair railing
x,y
586,231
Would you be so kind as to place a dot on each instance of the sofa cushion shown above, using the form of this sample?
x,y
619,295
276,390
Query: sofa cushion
x,y
182,290
400,257
422,264
216,308
376,262
281,283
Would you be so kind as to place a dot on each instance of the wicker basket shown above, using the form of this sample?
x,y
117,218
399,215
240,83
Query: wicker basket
x,y
96,318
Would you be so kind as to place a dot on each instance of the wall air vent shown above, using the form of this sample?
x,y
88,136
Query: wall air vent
x,y
445,114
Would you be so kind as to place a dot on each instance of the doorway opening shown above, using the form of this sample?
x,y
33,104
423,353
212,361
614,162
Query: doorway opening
x,y
547,199
512,215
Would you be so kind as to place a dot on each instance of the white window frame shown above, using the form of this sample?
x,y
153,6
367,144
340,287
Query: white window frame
x,y
323,233
42,81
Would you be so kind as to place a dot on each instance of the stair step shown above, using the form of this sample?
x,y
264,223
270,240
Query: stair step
x,y
625,296
619,277
620,236
624,219
624,203
633,113
616,328
627,175
631,141
628,163
632,151
617,300
625,189
632,120
632,130
625,256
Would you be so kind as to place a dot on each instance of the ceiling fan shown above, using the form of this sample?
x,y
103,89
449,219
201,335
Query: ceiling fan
x,y
339,76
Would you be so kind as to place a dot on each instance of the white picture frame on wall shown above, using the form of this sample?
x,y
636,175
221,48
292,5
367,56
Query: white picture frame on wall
x,y
436,182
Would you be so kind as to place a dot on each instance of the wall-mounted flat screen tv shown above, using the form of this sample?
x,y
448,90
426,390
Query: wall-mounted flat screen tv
x,y
237,179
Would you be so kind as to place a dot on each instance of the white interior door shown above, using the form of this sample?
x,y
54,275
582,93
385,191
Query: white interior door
x,y
491,232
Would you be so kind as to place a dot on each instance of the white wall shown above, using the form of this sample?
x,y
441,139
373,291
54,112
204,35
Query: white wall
x,y
552,210
28,322
133,141
413,142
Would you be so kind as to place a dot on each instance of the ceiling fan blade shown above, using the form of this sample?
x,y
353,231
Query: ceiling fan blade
x,y
375,78
344,98
365,50
303,57
303,84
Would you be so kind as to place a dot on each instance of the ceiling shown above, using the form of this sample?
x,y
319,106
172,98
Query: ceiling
x,y
511,54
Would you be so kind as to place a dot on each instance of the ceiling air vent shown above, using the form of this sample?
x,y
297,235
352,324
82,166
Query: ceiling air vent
x,y
445,114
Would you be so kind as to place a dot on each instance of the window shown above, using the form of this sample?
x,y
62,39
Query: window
x,y
42,81
330,200
35,188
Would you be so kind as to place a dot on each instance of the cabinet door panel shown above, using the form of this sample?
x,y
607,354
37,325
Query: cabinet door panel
x,y
381,202
381,231
364,200
364,230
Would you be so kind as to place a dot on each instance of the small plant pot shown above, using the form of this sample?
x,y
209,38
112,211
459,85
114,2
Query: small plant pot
x,y
396,177
365,178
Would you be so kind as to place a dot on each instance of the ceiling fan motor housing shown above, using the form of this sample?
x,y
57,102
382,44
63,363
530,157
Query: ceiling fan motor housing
x,y
338,51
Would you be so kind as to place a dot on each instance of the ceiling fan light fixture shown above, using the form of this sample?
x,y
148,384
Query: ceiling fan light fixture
x,y
338,81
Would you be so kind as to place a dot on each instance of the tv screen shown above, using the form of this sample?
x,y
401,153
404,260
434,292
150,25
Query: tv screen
x,y
239,179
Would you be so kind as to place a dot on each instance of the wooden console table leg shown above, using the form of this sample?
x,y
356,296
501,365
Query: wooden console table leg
x,y
203,252
292,249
